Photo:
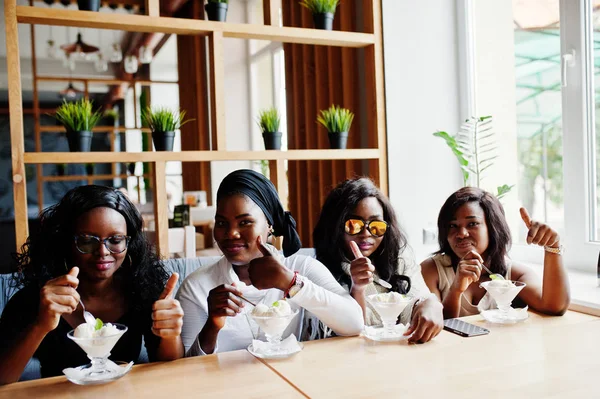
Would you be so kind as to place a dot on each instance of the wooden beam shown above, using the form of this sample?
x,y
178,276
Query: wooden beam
x,y
96,129
217,89
378,74
36,119
105,81
196,156
161,208
180,26
153,8
17,140
271,12
279,179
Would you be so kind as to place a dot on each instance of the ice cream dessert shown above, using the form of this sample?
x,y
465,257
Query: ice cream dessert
x,y
503,291
97,340
273,319
278,308
389,305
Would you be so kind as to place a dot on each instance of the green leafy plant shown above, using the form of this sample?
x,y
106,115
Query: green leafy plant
x,y
475,149
77,116
336,119
268,120
321,6
111,113
163,119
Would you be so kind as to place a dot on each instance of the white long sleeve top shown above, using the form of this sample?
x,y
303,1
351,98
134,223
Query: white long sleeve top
x,y
321,295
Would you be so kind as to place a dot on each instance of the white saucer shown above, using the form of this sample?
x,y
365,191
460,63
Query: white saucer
x,y
378,333
275,355
514,316
124,368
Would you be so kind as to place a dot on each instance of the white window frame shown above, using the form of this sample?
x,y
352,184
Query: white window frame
x,y
581,252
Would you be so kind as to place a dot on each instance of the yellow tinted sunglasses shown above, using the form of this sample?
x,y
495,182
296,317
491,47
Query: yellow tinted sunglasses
x,y
356,226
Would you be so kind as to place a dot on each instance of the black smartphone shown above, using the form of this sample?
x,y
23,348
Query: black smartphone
x,y
463,328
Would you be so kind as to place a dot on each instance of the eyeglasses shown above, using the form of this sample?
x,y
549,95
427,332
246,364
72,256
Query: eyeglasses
x,y
356,226
89,244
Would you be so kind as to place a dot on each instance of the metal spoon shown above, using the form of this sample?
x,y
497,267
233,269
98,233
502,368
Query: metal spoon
x,y
496,276
382,283
89,318
250,302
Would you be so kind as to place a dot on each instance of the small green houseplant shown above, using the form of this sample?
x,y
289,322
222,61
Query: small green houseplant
x,y
337,121
216,10
163,122
475,149
79,119
323,12
268,120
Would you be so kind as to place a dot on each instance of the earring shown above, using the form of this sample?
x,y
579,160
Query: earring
x,y
66,267
130,261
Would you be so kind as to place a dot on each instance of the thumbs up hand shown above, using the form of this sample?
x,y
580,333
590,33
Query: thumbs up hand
x,y
267,272
539,233
167,314
361,269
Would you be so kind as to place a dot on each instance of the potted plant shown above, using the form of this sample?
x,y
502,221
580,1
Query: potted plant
x,y
79,119
216,10
475,148
337,121
88,5
268,120
323,12
163,122
89,169
61,169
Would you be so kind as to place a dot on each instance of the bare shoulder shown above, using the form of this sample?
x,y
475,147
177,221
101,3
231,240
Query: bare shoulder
x,y
429,270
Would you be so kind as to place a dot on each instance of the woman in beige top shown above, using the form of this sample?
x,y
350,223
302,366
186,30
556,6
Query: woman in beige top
x,y
358,238
473,232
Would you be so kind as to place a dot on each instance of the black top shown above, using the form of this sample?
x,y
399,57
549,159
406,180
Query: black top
x,y
57,351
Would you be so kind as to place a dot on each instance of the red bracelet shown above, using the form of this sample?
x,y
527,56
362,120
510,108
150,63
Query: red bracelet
x,y
286,293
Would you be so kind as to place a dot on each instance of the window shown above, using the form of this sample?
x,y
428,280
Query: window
x,y
532,65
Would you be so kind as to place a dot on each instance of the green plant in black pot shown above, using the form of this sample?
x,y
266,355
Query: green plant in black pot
x,y
268,120
88,5
61,169
163,122
323,12
216,10
79,119
337,121
89,169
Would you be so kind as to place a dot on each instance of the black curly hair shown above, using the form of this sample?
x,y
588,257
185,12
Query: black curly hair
x,y
328,236
47,252
495,219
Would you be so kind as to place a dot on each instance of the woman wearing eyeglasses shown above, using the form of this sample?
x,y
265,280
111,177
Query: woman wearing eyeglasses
x,y
90,248
359,239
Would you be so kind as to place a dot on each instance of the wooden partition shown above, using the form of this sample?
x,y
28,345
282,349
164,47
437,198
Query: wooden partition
x,y
367,153
320,76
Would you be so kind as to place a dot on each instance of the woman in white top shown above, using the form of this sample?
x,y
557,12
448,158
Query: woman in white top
x,y
248,211
358,237
473,231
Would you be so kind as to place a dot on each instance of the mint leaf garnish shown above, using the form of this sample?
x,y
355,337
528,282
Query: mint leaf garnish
x,y
98,324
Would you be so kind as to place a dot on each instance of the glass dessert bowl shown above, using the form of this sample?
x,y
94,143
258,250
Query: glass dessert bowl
x,y
388,305
97,344
273,320
503,292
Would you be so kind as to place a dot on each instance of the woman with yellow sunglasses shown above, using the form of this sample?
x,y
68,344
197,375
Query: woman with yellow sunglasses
x,y
359,239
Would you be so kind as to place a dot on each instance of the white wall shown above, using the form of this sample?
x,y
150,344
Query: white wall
x,y
238,121
422,96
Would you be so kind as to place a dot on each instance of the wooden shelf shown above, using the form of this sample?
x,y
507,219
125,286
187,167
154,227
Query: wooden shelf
x,y
181,26
196,156
86,177
97,129
104,81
